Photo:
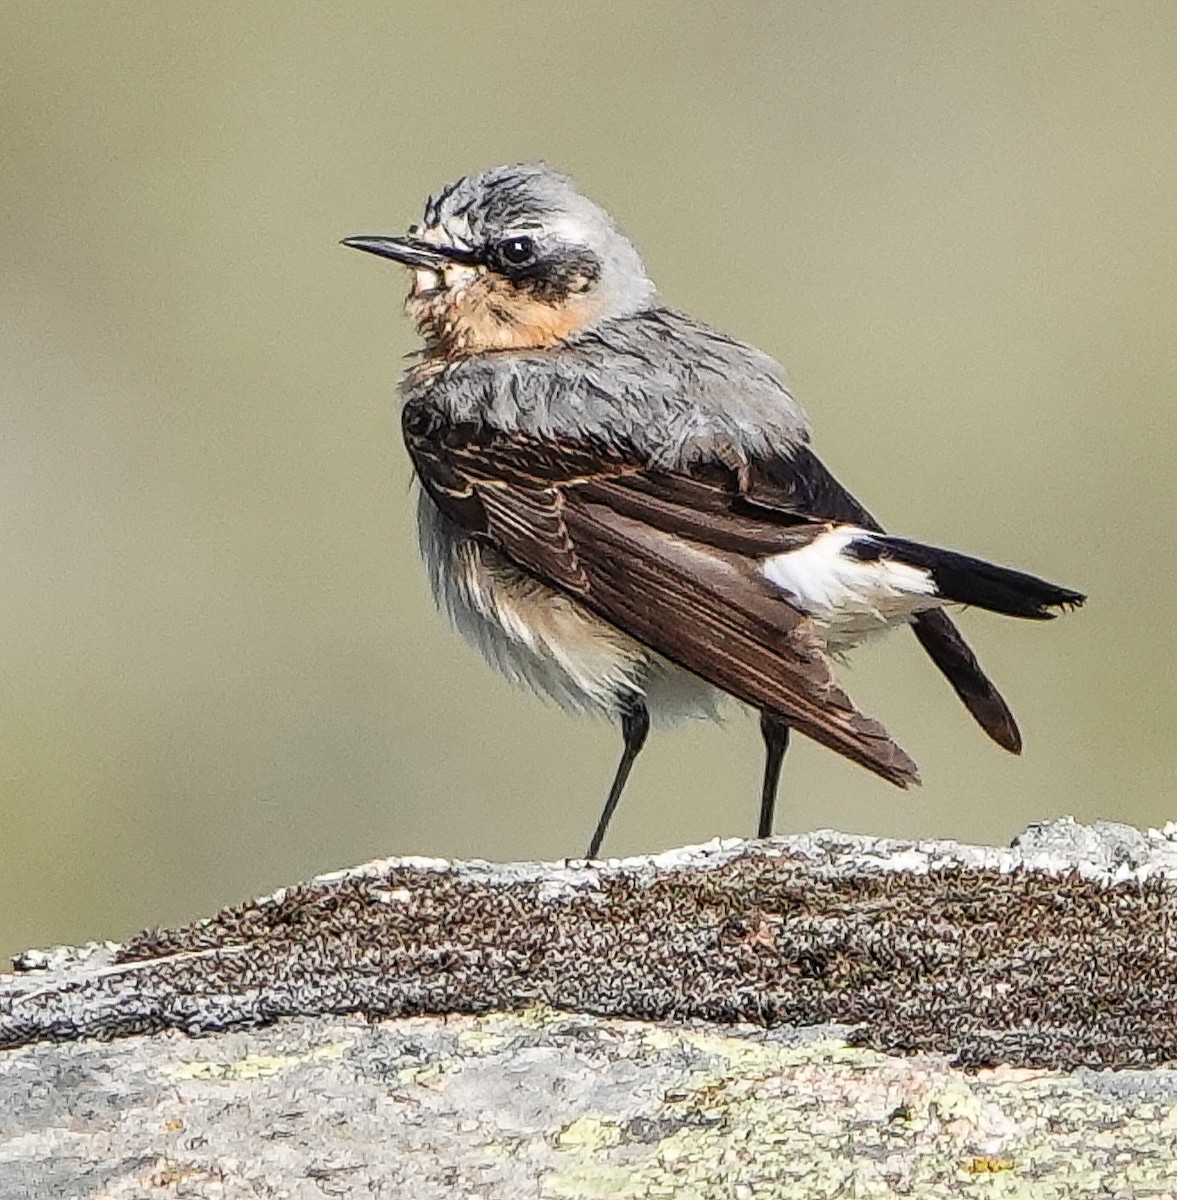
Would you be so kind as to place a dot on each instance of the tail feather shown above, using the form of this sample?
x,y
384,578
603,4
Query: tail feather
x,y
961,579
958,664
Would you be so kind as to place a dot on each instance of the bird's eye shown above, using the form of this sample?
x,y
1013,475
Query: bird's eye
x,y
517,252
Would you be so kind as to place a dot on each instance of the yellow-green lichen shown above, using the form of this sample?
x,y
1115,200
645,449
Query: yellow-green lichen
x,y
588,1135
253,1066
537,1016
426,1075
823,1120
477,1039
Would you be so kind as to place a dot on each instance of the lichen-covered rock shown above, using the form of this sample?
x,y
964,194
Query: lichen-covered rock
x,y
1058,952
553,1106
773,985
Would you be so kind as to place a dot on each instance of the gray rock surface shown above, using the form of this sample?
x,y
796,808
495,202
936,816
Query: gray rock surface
x,y
469,1030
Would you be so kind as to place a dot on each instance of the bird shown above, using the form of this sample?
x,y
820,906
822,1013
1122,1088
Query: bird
x,y
621,506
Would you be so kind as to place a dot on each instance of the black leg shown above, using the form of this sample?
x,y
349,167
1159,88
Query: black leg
x,y
635,724
776,742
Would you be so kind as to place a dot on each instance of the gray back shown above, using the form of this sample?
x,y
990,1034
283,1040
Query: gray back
x,y
672,387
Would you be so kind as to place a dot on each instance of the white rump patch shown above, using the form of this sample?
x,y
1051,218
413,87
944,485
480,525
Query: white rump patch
x,y
851,598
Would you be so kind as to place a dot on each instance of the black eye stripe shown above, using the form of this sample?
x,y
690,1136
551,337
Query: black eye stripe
x,y
553,276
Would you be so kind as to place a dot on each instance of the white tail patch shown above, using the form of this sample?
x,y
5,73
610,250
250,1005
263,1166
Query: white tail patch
x,y
852,598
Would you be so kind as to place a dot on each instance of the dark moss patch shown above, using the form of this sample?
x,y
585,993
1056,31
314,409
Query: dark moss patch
x,y
1021,967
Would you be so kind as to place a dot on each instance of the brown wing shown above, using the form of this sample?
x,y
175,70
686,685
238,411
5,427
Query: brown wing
x,y
672,559
803,485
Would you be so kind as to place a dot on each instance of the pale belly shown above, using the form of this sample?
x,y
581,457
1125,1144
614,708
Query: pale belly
x,y
546,640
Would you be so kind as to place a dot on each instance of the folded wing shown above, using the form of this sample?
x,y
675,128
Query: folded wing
x,y
670,558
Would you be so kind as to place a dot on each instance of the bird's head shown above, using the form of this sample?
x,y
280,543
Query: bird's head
x,y
514,258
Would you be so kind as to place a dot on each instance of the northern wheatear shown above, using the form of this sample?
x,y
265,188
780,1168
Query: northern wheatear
x,y
621,508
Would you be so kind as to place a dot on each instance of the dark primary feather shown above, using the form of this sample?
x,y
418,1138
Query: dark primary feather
x,y
668,557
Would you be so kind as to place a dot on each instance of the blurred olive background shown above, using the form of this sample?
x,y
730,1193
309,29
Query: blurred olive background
x,y
220,670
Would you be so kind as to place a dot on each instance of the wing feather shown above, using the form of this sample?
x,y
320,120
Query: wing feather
x,y
667,557
710,614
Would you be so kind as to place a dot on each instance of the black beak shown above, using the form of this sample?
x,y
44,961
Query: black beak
x,y
412,252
